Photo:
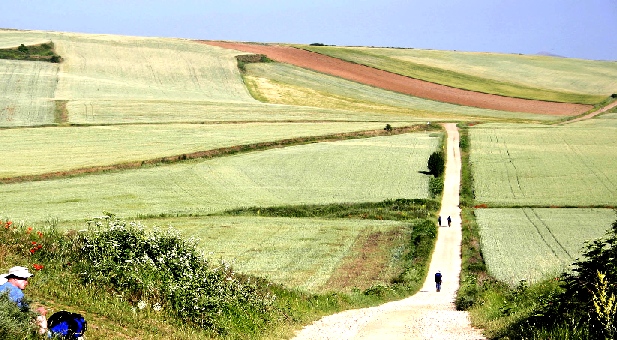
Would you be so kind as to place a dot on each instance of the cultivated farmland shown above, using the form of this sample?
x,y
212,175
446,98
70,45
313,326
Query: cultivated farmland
x,y
286,84
363,170
536,165
41,151
535,244
128,99
27,92
533,77
302,253
403,84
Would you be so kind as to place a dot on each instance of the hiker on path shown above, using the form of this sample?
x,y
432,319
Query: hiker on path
x,y
438,280
449,221
13,284
439,220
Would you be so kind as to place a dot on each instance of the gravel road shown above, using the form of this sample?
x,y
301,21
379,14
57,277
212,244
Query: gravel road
x,y
427,314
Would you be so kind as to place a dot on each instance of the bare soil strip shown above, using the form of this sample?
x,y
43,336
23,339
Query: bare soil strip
x,y
427,314
402,84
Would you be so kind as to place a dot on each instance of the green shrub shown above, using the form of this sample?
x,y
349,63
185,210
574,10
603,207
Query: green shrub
x,y
435,186
15,323
162,270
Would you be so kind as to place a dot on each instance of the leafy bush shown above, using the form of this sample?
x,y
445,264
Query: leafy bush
x,y
162,270
15,323
435,186
436,163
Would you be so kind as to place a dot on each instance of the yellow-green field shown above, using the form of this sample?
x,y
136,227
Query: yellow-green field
x,y
290,85
538,165
362,170
536,244
533,77
39,151
298,252
27,93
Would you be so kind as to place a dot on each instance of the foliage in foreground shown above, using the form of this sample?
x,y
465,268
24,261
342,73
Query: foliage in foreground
x,y
156,283
15,323
162,270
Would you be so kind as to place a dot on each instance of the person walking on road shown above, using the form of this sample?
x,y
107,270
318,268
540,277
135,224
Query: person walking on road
x,y
438,280
439,220
449,221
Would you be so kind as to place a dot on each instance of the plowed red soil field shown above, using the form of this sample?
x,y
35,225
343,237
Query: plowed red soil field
x,y
394,82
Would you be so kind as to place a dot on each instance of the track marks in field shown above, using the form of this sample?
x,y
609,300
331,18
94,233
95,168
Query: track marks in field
x,y
547,236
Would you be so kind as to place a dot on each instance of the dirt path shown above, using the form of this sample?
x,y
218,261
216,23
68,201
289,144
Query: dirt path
x,y
427,314
402,84
592,114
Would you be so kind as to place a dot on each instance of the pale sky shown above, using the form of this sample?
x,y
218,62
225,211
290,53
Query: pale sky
x,y
570,28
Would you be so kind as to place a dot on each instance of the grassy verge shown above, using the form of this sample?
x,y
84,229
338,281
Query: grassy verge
x,y
120,297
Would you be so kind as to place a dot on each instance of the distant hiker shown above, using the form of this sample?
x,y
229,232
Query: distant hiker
x,y
13,285
449,221
439,220
438,280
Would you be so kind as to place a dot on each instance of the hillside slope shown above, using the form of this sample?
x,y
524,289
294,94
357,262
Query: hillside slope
x,y
402,84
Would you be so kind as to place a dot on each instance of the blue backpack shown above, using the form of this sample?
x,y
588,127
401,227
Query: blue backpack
x,y
67,325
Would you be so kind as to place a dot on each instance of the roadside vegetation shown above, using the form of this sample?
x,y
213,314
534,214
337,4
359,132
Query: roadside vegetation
x,y
119,273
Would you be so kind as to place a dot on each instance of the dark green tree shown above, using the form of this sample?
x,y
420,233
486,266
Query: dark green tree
x,y
436,163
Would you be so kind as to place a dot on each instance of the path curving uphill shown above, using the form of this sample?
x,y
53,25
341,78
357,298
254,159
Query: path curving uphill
x,y
427,314
402,84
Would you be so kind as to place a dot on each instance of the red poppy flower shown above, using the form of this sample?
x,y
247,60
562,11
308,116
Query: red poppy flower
x,y
37,266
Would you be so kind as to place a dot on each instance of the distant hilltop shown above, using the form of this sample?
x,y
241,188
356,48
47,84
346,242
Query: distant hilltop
x,y
549,54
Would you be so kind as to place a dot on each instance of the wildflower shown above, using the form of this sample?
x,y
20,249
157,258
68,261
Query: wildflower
x,y
37,266
32,251
29,230
141,304
40,234
157,307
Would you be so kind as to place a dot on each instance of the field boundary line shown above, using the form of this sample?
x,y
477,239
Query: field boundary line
x,y
218,152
